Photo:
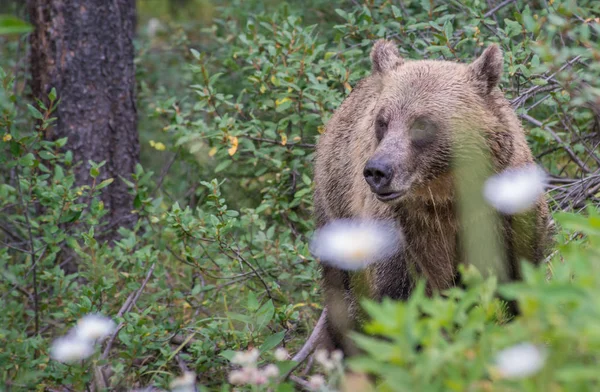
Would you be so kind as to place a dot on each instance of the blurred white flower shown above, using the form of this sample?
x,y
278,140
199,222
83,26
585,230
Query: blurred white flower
x,y
248,376
185,383
316,382
322,357
246,358
154,26
258,378
281,354
354,244
270,371
520,361
71,349
94,327
337,356
515,190
238,377
328,363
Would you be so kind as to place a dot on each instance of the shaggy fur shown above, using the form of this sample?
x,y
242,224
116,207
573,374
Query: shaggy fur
x,y
425,117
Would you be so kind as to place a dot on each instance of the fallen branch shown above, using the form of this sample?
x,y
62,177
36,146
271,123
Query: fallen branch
x,y
314,340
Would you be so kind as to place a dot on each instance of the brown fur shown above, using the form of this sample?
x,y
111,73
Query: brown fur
x,y
462,115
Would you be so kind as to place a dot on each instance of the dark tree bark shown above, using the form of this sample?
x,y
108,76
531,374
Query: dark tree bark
x,y
84,49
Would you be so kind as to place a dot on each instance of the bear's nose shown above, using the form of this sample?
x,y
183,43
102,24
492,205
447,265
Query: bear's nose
x,y
378,174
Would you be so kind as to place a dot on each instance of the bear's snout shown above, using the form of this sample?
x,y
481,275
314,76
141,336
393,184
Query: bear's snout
x,y
379,173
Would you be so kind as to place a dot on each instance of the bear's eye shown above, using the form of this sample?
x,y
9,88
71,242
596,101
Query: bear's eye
x,y
422,133
380,128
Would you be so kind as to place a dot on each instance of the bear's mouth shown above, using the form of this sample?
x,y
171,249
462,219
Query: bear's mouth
x,y
388,196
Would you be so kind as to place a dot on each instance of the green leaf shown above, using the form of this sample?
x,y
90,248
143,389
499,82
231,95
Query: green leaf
x,y
52,95
264,315
27,160
34,112
285,387
240,317
223,165
227,354
195,53
448,29
70,216
105,183
15,148
12,25
252,303
61,142
272,341
137,202
46,155
341,13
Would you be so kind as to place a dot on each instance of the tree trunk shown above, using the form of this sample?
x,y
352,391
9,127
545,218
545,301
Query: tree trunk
x,y
84,49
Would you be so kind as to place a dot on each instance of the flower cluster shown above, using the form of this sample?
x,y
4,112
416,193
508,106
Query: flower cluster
x,y
249,373
329,361
317,382
332,366
79,342
185,383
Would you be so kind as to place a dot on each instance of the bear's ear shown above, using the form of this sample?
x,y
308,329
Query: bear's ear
x,y
487,69
385,56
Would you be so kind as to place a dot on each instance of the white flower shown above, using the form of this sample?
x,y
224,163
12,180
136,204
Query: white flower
x,y
520,361
515,190
270,371
71,349
258,378
354,244
185,383
281,354
316,382
337,356
94,327
154,26
246,358
322,357
238,377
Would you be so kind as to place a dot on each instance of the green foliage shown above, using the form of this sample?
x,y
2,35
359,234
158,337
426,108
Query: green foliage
x,y
230,110
450,343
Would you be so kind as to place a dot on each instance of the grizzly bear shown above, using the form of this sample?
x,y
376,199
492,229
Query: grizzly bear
x,y
393,150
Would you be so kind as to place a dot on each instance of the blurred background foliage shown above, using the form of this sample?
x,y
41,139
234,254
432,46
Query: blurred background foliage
x,y
232,96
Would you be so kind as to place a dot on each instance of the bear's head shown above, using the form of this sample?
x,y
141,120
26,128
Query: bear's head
x,y
426,115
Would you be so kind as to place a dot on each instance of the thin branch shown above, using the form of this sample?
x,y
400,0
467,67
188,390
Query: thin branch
x,y
497,8
557,138
243,260
304,385
314,340
165,171
131,300
33,257
538,89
